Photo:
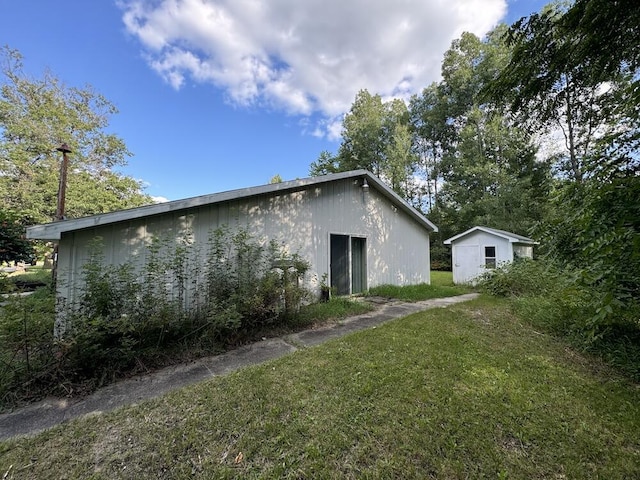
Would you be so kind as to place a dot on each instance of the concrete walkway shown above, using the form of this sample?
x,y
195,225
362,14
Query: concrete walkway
x,y
48,413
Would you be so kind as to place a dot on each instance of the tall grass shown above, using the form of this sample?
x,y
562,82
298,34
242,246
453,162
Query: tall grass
x,y
441,286
556,300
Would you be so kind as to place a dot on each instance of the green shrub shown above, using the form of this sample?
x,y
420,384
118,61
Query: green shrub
x,y
522,277
124,315
26,346
183,299
568,304
249,284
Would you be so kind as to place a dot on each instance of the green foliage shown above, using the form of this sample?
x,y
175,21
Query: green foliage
x,y
450,153
126,317
522,277
552,296
570,70
433,134
249,284
36,116
465,392
479,167
558,299
416,293
333,309
27,347
14,247
564,74
376,136
600,240
28,281
489,168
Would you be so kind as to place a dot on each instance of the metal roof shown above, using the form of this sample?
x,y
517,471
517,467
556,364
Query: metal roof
x,y
54,231
512,237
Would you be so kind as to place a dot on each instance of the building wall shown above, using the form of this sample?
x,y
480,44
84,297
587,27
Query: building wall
x,y
465,269
397,246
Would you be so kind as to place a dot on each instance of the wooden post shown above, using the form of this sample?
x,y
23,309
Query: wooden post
x,y
62,193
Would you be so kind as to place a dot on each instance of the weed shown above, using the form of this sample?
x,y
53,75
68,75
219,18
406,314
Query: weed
x,y
127,318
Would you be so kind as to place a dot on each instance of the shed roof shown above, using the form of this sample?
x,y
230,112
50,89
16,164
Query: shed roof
x,y
511,237
54,231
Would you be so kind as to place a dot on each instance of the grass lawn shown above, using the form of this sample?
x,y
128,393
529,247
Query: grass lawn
x,y
441,286
469,391
28,279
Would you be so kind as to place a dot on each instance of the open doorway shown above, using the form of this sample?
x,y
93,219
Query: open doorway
x,y
348,268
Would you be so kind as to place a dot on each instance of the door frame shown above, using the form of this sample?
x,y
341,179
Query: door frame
x,y
365,262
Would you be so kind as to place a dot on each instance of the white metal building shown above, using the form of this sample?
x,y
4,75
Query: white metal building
x,y
349,225
482,248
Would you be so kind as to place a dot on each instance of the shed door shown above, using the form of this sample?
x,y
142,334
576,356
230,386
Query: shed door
x,y
466,263
340,264
358,264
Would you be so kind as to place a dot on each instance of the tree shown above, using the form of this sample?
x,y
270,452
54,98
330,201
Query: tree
x,y
433,135
479,165
555,80
363,140
494,178
375,137
610,53
577,67
14,247
36,116
325,164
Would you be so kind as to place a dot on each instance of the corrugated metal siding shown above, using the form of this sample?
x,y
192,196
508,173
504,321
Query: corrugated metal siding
x,y
397,247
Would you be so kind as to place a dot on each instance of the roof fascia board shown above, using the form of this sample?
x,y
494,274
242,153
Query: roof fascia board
x,y
491,231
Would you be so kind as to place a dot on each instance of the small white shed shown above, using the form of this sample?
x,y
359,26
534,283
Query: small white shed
x,y
482,248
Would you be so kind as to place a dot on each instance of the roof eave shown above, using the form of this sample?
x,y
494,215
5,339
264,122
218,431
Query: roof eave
x,y
506,236
54,231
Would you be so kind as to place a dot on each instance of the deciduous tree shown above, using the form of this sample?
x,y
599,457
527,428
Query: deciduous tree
x,y
375,137
558,80
36,116
14,247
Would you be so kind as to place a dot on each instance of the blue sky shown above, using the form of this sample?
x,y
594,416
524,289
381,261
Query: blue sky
x,y
221,94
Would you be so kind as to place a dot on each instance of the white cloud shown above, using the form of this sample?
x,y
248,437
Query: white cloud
x,y
304,57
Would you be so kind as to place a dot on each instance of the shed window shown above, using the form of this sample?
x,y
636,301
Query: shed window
x,y
489,257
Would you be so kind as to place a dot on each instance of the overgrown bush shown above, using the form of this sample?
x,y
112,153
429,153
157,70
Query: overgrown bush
x,y
522,277
238,286
561,301
183,301
27,347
